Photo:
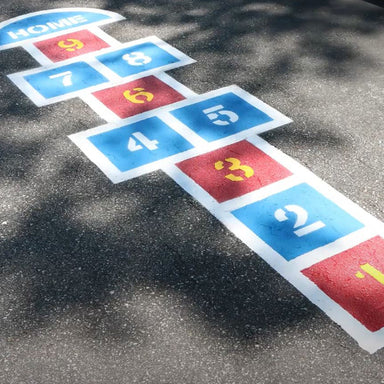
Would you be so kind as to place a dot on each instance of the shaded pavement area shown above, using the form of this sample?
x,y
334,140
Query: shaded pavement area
x,y
138,283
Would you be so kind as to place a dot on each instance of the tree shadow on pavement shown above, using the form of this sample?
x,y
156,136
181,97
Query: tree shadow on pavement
x,y
76,249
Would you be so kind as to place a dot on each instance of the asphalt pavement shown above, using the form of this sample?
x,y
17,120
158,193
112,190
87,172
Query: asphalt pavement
x,y
136,282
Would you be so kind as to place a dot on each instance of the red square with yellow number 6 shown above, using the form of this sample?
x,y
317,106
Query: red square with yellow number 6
x,y
138,96
234,170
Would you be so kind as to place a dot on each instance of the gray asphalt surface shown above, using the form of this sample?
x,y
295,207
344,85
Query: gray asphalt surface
x,y
136,282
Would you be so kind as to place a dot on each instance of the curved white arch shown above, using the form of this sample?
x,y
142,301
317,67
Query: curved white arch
x,y
6,42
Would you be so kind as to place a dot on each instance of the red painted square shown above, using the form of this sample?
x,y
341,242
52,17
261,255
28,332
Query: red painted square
x,y
355,280
234,170
70,45
138,96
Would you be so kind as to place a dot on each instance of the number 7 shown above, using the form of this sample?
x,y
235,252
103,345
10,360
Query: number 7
x,y
67,78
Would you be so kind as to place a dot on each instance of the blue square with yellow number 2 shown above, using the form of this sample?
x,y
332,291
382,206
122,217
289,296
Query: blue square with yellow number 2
x,y
297,221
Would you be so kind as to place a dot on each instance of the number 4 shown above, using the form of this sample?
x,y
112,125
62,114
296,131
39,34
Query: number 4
x,y
67,78
133,146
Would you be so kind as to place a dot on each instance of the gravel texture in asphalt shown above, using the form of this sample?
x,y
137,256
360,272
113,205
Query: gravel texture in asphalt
x,y
136,282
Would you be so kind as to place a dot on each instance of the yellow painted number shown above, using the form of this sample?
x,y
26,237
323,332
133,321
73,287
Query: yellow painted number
x,y
235,166
140,92
70,45
371,271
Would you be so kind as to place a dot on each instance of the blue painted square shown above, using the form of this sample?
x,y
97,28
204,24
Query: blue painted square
x,y
65,79
316,220
220,116
114,144
136,59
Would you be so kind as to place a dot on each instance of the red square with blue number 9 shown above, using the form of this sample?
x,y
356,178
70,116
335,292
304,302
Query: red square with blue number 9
x,y
71,45
234,170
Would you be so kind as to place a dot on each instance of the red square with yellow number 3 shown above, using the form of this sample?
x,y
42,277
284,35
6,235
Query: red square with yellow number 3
x,y
233,171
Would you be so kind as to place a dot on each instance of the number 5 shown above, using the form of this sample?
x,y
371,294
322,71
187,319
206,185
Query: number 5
x,y
67,78
212,115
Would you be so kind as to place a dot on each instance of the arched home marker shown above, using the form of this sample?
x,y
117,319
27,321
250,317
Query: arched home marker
x,y
35,26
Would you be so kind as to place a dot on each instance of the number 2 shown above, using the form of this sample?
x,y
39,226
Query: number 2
x,y
301,219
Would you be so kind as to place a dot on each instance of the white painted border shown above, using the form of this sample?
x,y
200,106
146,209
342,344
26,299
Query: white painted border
x,y
201,145
290,270
37,54
90,58
113,17
104,36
